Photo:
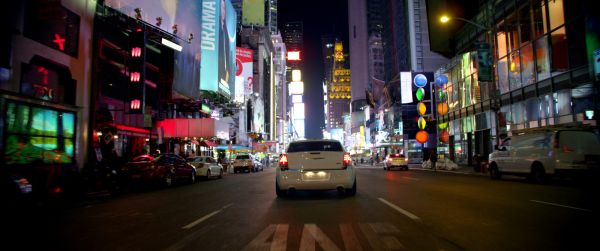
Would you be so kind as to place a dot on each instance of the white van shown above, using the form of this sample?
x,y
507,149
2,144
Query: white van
x,y
537,153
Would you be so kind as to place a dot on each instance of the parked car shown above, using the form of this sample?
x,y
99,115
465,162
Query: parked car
x,y
395,160
538,153
164,169
315,165
206,167
244,162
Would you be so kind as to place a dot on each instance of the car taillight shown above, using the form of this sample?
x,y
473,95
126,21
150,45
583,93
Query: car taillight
x,y
347,159
405,158
283,162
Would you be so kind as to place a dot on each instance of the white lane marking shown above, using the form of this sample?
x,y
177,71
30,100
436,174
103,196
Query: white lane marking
x,y
311,234
397,208
280,238
198,221
559,205
351,242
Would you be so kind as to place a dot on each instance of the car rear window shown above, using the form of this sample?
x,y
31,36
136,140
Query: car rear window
x,y
312,146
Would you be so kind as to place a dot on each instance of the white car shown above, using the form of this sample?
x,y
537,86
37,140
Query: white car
x,y
206,167
540,152
245,162
315,165
395,160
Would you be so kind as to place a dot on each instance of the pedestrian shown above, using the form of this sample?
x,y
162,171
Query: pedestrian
x,y
433,159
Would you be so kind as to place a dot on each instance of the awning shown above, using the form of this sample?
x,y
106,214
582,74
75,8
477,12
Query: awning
x,y
233,147
208,143
201,128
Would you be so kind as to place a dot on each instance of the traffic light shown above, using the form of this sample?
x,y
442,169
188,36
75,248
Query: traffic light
x,y
136,69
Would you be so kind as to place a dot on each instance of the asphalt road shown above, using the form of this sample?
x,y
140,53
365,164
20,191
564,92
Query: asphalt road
x,y
395,210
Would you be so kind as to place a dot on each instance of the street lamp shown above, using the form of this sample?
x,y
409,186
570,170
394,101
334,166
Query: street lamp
x,y
444,19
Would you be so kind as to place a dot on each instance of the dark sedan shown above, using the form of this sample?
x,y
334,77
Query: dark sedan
x,y
165,170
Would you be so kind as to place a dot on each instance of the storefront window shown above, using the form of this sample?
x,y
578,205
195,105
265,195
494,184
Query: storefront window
x,y
517,113
525,24
560,60
527,65
542,58
532,111
503,75
540,23
557,15
514,76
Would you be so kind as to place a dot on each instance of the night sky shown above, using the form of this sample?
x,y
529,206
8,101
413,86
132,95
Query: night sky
x,y
324,17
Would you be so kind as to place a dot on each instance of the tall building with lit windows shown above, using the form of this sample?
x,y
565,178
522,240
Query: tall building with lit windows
x,y
338,91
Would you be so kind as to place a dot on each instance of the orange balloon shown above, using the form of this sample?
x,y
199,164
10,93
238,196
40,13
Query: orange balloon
x,y
442,108
421,108
422,137
444,136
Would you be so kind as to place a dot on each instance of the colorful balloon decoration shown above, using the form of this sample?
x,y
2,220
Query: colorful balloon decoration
x,y
444,136
443,125
422,123
420,94
441,80
421,108
422,137
420,80
442,108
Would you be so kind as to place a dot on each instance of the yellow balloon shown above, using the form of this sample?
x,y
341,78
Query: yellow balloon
x,y
421,108
422,123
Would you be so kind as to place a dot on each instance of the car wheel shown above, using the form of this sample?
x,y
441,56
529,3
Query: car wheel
x,y
221,174
280,193
538,175
168,179
193,177
494,172
207,174
352,191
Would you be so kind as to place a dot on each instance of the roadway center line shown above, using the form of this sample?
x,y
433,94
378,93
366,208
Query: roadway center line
x,y
397,208
198,221
559,205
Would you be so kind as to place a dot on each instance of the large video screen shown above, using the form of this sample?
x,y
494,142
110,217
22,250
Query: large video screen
x,y
38,135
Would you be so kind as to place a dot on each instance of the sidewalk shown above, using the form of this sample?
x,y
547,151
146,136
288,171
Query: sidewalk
x,y
462,169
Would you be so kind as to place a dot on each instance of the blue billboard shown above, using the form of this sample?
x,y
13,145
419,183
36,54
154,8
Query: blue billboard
x,y
217,43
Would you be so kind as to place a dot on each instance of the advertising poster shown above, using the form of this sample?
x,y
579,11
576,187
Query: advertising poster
x,y
253,12
243,75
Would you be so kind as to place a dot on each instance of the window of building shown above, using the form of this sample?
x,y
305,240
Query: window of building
x,y
514,69
501,42
527,65
502,75
512,32
542,58
539,22
525,24
560,59
557,14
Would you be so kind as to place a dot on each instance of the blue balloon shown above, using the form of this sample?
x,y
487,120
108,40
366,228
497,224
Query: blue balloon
x,y
441,80
420,80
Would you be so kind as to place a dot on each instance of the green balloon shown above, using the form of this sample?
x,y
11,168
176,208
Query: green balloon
x,y
442,95
443,125
420,94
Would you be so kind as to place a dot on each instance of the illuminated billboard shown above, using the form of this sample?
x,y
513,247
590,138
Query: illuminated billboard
x,y
296,75
253,12
296,88
406,87
217,43
243,74
296,98
293,56
298,111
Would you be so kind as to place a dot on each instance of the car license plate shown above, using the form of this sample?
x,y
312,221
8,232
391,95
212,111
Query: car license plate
x,y
398,162
315,176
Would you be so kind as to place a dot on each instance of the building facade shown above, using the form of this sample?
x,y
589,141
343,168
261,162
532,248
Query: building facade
x,y
531,67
